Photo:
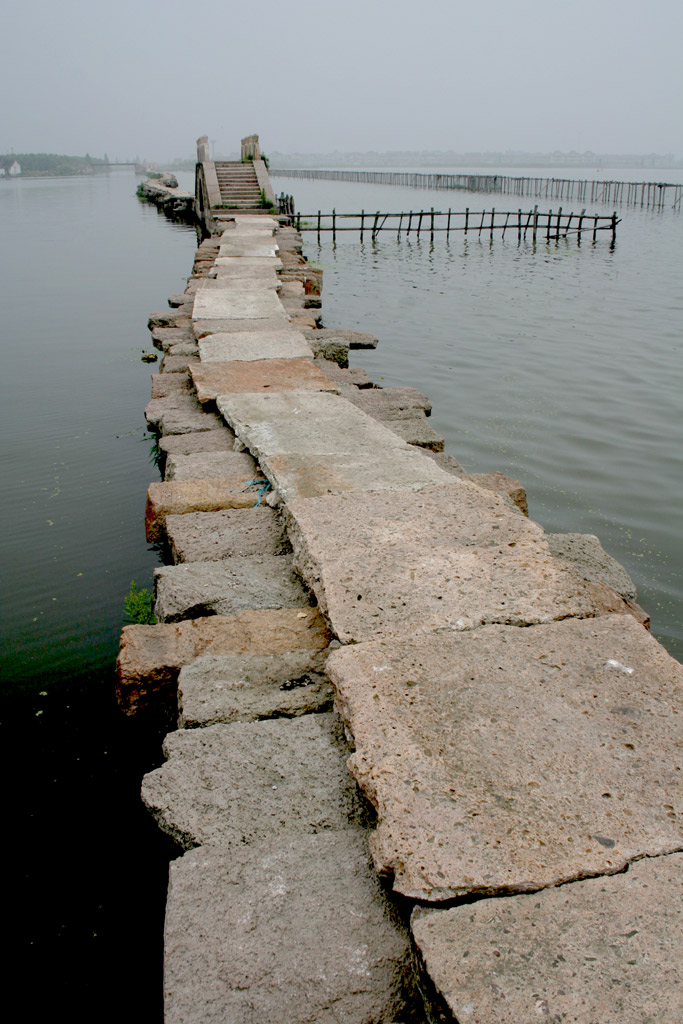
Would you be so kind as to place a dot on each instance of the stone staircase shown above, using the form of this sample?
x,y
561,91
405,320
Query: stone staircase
x,y
238,184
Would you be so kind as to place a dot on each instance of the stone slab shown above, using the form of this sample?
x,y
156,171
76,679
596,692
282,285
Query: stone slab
x,y
234,688
224,325
164,337
260,375
185,348
310,476
391,403
586,554
503,484
220,440
237,304
166,384
354,339
195,589
177,497
150,657
211,536
176,364
209,465
226,347
331,351
180,414
236,266
305,423
292,930
255,248
416,431
230,785
506,760
604,949
450,556
262,279
168,318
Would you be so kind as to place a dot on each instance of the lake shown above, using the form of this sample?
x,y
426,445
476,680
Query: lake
x,y
560,366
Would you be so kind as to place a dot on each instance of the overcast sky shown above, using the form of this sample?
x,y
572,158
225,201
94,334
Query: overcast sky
x,y
140,78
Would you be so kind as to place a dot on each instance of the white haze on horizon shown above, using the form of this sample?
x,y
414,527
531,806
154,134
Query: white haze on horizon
x,y
146,79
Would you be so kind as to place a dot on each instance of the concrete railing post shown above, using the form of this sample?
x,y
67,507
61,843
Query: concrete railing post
x,y
203,152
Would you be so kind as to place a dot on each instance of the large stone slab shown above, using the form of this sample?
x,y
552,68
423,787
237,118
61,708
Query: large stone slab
x,y
354,339
450,556
164,338
166,384
195,589
305,423
416,431
222,439
604,949
226,346
505,759
227,785
150,657
236,304
262,278
179,413
586,554
234,688
292,930
391,403
244,246
245,266
309,476
209,465
211,536
259,375
226,325
177,497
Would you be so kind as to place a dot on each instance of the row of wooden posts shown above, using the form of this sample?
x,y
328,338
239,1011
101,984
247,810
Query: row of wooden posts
x,y
549,225
646,194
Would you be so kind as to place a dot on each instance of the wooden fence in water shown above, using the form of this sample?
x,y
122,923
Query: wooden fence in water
x,y
648,194
546,225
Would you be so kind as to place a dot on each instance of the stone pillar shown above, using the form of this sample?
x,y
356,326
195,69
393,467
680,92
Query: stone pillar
x,y
250,148
203,152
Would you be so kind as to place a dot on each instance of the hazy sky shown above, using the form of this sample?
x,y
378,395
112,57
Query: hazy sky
x,y
314,75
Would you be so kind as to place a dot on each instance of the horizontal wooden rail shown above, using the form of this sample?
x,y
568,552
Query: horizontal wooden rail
x,y
654,194
547,224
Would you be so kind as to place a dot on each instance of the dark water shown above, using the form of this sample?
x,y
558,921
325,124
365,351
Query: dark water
x,y
559,366
562,366
83,264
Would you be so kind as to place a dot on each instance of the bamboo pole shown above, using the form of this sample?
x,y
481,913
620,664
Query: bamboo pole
x,y
334,225
535,223
362,221
448,228
374,226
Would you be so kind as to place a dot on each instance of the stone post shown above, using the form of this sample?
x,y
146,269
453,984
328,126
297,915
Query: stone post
x,y
251,148
203,152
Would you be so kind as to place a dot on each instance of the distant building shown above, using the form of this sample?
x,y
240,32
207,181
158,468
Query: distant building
x,y
14,169
2,172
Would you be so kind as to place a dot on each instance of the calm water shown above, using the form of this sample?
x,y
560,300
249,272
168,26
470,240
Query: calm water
x,y
83,263
559,366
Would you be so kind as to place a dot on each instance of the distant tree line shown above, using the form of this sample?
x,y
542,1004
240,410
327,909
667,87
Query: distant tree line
x,y
50,163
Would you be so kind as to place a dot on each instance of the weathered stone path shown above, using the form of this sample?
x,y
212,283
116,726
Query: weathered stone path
x,y
342,594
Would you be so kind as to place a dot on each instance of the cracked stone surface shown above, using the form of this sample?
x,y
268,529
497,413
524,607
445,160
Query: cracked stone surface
x,y
244,688
292,930
604,949
235,784
176,497
450,556
208,465
236,304
259,375
211,536
585,553
150,657
505,759
227,346
417,431
309,476
195,589
305,423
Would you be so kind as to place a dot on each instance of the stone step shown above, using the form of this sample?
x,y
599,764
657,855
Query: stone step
x,y
293,928
212,536
195,589
209,465
506,760
151,657
603,949
259,376
257,780
245,688
285,342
